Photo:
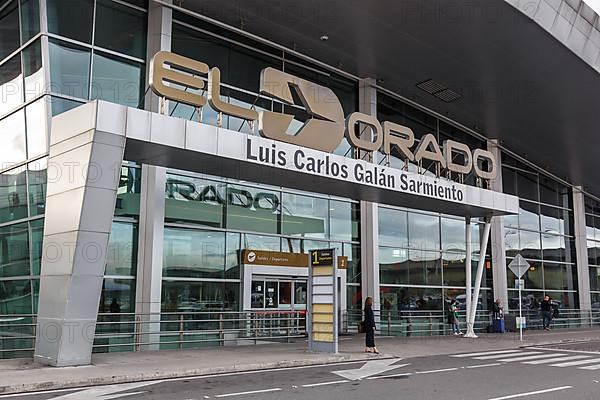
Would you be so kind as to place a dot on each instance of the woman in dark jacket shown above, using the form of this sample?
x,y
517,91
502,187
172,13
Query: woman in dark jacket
x,y
370,327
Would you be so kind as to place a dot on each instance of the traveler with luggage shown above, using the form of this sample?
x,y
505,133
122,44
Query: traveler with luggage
x,y
498,316
453,317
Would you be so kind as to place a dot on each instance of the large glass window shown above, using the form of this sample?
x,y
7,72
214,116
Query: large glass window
x,y
120,28
393,227
195,200
13,195
11,85
12,137
344,220
71,18
70,72
199,296
117,80
122,249
423,231
9,28
193,254
15,297
30,19
32,70
305,216
14,250
250,208
36,115
36,182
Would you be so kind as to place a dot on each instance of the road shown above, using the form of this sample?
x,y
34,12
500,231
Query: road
x,y
530,374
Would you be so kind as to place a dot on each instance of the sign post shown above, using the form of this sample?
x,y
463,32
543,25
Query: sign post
x,y
323,301
519,266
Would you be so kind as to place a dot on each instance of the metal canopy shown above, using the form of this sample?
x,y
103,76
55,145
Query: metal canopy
x,y
518,83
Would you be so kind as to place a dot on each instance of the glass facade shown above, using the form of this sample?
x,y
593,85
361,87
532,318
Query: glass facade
x,y
96,49
422,260
208,221
542,233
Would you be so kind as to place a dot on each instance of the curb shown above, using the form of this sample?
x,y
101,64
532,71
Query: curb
x,y
166,375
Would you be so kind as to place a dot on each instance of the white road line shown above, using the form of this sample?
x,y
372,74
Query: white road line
x,y
310,385
485,353
593,353
3,396
437,370
389,376
524,353
591,367
250,392
556,360
574,363
529,358
483,366
514,396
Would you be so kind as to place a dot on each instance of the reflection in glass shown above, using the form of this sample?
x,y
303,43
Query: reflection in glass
x,y
594,279
554,247
398,299
344,220
14,250
232,256
118,296
257,297
37,115
558,276
13,195
37,235
128,192
253,207
531,299
30,19
424,231
454,268
393,265
453,235
37,177
60,105
116,80
300,293
11,85
353,273
528,216
32,70
393,227
527,186
261,242
305,216
12,137
70,72
424,267
72,19
9,31
122,249
193,254
529,244
199,296
120,28
15,297
564,300
285,295
194,200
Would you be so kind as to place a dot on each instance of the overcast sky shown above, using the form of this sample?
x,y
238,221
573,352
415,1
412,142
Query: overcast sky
x,y
595,4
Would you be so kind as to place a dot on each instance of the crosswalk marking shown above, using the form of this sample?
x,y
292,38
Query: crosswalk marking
x,y
525,353
485,353
591,367
527,358
574,363
555,360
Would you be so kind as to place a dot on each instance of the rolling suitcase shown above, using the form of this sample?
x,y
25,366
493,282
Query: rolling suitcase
x,y
499,325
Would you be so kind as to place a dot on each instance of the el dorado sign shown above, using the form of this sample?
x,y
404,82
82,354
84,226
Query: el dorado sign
x,y
325,128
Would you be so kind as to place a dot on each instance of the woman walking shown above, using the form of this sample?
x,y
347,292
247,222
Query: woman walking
x,y
370,327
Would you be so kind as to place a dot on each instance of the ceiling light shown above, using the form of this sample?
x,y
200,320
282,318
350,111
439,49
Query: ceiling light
x,y
324,38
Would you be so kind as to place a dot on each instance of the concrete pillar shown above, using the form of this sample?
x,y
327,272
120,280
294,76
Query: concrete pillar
x,y
152,203
497,235
583,273
83,176
369,238
160,27
150,255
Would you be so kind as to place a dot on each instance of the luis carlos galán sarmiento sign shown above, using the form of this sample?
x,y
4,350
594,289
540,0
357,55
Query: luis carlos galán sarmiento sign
x,y
323,131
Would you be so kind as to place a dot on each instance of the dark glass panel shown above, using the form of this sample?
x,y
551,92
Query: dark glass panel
x,y
14,250
9,28
411,299
30,19
117,80
393,265
254,208
11,85
71,18
118,296
393,227
193,254
128,192
195,200
200,296
37,178
423,231
122,249
37,239
353,273
15,298
13,195
304,216
529,215
344,220
232,256
527,186
33,71
70,72
120,28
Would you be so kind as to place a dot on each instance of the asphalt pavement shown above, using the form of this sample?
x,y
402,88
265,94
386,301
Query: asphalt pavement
x,y
512,373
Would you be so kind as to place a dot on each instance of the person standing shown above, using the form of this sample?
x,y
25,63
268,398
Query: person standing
x,y
498,316
454,318
370,327
546,308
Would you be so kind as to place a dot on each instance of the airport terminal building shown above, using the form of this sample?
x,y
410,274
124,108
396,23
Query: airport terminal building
x,y
167,166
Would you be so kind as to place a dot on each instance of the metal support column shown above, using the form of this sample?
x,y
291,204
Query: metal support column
x,y
468,268
583,275
480,266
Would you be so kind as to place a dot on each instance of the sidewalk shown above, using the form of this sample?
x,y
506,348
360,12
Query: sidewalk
x,y
18,376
